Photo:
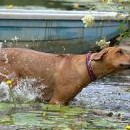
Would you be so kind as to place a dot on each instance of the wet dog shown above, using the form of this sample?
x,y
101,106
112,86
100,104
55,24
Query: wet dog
x,y
62,77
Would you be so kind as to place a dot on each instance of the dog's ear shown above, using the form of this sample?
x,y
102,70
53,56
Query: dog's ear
x,y
99,55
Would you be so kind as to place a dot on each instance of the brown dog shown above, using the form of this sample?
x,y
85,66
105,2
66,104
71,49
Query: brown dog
x,y
62,76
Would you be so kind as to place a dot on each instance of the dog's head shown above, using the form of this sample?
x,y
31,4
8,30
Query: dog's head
x,y
115,57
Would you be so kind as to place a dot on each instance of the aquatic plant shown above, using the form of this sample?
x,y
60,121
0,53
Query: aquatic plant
x,y
103,43
88,20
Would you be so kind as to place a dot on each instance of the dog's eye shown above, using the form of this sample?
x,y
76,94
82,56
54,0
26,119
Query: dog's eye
x,y
120,52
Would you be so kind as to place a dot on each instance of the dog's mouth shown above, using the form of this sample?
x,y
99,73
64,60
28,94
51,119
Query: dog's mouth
x,y
125,66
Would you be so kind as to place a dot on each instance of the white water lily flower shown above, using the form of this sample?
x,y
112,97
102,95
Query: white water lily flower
x,y
103,43
88,20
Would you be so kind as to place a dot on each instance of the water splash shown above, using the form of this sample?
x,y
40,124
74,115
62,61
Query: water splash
x,y
1,44
6,58
24,91
15,39
2,51
5,92
6,76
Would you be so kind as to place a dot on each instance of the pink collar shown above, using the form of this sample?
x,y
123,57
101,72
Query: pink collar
x,y
89,67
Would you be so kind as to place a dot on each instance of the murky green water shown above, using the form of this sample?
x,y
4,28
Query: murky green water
x,y
51,117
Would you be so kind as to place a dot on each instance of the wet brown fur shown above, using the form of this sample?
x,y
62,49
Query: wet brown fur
x,y
64,75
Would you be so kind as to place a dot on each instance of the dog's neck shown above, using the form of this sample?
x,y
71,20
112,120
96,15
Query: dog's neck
x,y
99,69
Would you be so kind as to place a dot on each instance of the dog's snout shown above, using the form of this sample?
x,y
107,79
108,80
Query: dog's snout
x,y
121,65
125,65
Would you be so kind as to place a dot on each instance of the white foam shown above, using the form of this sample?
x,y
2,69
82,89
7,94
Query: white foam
x,y
5,92
5,54
23,92
1,44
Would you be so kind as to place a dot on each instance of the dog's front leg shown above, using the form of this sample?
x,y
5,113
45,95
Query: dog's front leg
x,y
63,94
